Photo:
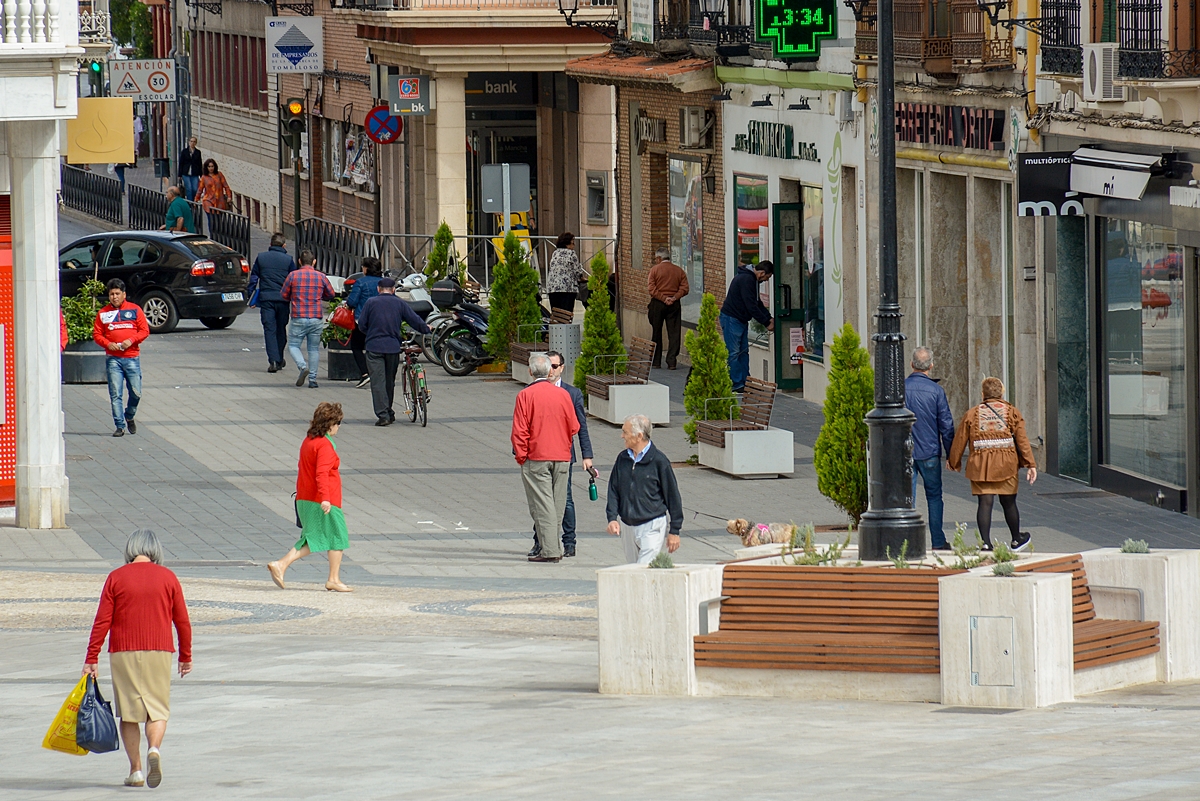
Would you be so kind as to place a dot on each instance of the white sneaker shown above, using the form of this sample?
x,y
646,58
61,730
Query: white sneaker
x,y
135,779
154,774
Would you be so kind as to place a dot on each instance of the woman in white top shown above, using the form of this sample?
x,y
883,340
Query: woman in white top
x,y
564,274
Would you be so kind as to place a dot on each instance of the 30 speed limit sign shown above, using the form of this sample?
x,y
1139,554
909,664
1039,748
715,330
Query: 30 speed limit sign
x,y
147,80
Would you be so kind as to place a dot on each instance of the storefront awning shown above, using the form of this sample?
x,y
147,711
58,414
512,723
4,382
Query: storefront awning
x,y
1109,174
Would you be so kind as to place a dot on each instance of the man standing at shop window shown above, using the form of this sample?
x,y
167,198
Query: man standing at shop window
x,y
119,328
742,305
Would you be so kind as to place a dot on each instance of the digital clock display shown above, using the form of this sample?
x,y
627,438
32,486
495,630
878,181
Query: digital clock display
x,y
795,28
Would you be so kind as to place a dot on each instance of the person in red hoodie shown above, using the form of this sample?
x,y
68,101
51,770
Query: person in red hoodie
x,y
138,605
544,423
119,328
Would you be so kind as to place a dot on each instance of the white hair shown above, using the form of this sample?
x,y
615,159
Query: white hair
x,y
143,542
539,366
922,359
640,424
663,253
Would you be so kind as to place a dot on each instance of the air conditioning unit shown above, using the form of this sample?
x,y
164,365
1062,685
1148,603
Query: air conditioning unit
x,y
694,125
1100,73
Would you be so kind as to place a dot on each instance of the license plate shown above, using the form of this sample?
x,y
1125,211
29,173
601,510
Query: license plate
x,y
231,296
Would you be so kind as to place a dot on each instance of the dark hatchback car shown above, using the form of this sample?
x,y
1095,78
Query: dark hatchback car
x,y
171,276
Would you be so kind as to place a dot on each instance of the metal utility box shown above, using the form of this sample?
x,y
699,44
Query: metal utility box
x,y
567,340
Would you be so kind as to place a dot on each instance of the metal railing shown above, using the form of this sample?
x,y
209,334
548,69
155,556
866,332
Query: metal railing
x,y
92,193
230,229
147,208
484,252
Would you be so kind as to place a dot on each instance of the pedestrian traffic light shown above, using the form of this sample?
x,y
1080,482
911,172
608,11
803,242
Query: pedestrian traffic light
x,y
293,115
95,67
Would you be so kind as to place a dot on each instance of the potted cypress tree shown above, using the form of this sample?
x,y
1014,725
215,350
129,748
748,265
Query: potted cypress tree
x,y
708,394
512,302
437,265
601,337
840,454
83,361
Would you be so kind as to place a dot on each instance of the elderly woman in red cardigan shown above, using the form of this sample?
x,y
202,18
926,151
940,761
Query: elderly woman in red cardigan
x,y
319,499
139,603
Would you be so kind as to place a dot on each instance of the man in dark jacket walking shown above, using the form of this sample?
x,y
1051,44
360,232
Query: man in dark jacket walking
x,y
644,506
741,306
381,322
557,364
271,269
191,167
932,432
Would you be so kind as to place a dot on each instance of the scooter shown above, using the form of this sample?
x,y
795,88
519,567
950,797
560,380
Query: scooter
x,y
459,344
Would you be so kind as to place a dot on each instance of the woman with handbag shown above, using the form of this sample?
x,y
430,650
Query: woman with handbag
x,y
564,274
995,431
319,500
365,288
214,190
138,606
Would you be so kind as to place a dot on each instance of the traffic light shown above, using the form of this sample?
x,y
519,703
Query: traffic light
x,y
95,67
96,77
293,115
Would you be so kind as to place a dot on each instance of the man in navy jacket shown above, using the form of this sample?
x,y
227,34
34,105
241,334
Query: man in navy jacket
x,y
557,364
382,322
932,432
741,306
271,269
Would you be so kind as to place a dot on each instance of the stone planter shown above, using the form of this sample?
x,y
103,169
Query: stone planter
x,y
84,363
339,362
752,454
651,399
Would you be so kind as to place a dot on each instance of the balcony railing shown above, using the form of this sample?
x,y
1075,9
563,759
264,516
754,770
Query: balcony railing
x,y
942,36
1060,37
977,45
26,23
94,26
1143,53
464,5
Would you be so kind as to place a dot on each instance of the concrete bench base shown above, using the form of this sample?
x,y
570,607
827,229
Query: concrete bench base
x,y
752,454
650,399
1116,675
819,685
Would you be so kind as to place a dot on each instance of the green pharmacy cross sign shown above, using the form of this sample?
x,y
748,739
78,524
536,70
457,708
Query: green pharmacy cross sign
x,y
795,28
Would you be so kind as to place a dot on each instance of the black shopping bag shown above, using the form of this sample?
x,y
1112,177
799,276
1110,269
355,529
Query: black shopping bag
x,y
95,727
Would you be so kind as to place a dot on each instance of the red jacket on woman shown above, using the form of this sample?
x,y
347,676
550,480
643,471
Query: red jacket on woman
x,y
319,479
139,603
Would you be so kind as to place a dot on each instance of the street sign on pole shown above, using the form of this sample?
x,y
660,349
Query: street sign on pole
x,y
146,80
505,189
381,127
295,44
409,95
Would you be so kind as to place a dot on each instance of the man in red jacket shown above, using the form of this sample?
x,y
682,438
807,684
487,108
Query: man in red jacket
x,y
544,424
119,328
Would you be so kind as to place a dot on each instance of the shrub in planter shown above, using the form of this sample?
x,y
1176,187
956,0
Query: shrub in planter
x,y
80,309
601,337
437,268
512,301
708,394
840,454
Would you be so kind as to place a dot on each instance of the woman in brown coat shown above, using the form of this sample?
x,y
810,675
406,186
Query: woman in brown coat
x,y
995,431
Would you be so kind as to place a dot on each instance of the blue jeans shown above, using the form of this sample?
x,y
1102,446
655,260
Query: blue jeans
x,y
191,183
737,342
931,471
124,372
568,521
274,316
304,329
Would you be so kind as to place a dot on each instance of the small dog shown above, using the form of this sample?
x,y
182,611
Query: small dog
x,y
753,534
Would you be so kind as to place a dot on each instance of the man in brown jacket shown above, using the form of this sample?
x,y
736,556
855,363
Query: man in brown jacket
x,y
667,284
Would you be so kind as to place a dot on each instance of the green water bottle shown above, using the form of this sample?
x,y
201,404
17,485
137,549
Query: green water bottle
x,y
593,493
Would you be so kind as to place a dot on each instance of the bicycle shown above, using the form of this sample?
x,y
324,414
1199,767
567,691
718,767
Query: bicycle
x,y
416,393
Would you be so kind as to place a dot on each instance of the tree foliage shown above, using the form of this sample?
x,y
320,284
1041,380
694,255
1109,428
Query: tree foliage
x,y
437,267
512,303
131,25
840,455
79,310
709,391
601,337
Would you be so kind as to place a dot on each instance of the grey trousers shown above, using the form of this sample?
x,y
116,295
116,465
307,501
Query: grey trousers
x,y
546,491
382,369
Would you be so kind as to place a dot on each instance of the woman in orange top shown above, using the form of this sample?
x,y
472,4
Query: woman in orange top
x,y
319,499
995,431
214,189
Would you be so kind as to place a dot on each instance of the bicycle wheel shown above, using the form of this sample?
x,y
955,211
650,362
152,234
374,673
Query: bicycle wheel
x,y
406,384
422,411
422,394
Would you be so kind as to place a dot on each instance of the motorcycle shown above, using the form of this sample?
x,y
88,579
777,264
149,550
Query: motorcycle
x,y
459,343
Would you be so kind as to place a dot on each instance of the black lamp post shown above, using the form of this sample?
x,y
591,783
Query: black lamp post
x,y
568,8
890,520
712,13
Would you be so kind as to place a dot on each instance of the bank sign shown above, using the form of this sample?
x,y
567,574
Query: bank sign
x,y
795,28
774,140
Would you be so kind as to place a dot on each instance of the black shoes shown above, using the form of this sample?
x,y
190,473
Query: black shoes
x,y
120,432
312,384
671,365
568,550
944,547
274,368
300,379
383,421
1019,544
131,425
534,551
540,558
987,547
391,417
362,382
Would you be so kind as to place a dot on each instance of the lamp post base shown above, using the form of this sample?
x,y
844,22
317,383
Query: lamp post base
x,y
883,534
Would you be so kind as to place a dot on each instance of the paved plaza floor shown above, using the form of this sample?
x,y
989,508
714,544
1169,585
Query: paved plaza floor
x,y
458,669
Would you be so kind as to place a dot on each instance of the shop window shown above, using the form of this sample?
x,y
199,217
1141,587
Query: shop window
x,y
687,229
348,156
1067,327
1144,340
750,211
812,259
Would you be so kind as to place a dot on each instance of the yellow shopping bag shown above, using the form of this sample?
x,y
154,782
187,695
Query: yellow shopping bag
x,y
61,735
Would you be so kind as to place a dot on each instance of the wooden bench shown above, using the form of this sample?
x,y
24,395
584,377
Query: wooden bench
x,y
1098,641
873,619
637,369
754,414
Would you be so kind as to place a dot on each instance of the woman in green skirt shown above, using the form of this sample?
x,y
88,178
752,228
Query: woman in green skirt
x,y
319,499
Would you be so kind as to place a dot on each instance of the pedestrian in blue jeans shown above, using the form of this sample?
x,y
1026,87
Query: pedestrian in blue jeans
x,y
742,305
933,434
306,290
119,328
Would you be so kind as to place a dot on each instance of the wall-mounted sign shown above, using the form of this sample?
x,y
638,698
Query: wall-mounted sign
x,y
646,130
774,140
408,95
147,80
295,44
500,89
641,21
951,126
795,28
1111,174
1043,183
381,127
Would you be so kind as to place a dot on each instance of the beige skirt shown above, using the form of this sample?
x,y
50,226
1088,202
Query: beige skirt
x,y
141,685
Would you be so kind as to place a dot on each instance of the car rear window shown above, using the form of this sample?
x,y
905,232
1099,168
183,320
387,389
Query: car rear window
x,y
205,248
